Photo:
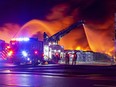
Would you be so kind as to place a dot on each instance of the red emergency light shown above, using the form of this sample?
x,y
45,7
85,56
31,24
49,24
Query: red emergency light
x,y
7,47
10,53
36,52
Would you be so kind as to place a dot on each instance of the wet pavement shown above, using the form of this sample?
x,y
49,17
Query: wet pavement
x,y
34,80
57,76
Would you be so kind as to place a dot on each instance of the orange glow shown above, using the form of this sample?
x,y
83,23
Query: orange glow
x,y
109,54
78,48
7,31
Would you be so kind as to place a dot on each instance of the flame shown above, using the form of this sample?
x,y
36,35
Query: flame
x,y
111,52
81,48
78,48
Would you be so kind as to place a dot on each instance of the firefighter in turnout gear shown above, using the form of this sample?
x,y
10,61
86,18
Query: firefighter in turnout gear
x,y
74,59
67,58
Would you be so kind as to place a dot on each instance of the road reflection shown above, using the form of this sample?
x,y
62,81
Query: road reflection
x,y
33,80
20,80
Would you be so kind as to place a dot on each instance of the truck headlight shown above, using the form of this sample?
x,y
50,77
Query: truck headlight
x,y
24,53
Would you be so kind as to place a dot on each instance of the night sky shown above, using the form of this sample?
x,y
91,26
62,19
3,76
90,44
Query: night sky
x,y
21,11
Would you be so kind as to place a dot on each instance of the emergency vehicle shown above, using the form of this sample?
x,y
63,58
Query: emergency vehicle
x,y
25,50
3,50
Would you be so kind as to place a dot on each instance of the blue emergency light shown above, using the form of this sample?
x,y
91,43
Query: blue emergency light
x,y
20,39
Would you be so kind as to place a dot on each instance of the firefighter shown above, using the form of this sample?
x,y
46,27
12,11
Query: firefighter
x,y
74,59
112,60
67,58
57,57
53,58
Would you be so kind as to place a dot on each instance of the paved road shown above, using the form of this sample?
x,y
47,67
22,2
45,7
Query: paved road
x,y
57,76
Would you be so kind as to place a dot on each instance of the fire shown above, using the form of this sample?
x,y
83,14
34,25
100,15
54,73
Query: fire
x,y
108,53
111,52
78,48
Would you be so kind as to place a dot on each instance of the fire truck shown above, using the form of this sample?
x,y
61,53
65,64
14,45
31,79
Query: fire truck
x,y
3,50
25,50
31,50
